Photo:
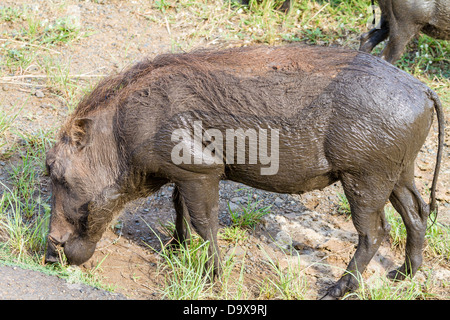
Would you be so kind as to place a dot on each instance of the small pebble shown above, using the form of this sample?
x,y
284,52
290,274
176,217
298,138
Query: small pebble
x,y
39,94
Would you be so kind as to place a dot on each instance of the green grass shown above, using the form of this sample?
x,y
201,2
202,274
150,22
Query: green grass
x,y
250,215
6,121
33,30
24,234
381,288
186,275
437,237
288,283
62,84
184,270
234,233
24,212
343,204
11,14
30,51
427,56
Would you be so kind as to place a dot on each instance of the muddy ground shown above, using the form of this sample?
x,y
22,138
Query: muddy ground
x,y
310,224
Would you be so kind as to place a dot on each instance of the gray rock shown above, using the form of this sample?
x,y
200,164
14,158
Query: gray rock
x,y
39,94
283,240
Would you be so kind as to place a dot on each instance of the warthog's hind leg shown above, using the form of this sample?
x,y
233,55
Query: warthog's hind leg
x,y
414,211
367,197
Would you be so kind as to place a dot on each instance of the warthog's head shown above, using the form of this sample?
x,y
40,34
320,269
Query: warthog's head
x,y
83,167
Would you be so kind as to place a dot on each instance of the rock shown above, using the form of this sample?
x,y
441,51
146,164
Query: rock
x,y
281,220
283,240
240,200
298,245
237,252
278,201
332,245
39,94
233,206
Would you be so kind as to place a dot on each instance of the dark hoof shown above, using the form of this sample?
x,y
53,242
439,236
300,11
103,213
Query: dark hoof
x,y
328,297
396,275
333,293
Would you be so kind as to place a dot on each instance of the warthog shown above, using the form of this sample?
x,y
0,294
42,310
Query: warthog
x,y
338,115
401,20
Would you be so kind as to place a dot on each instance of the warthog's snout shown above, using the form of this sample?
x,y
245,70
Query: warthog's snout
x,y
76,249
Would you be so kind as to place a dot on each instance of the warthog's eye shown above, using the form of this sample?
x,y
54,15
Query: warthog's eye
x,y
59,179
56,173
63,181
84,209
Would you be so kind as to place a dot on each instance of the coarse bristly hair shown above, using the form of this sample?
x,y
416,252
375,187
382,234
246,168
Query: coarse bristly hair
x,y
250,60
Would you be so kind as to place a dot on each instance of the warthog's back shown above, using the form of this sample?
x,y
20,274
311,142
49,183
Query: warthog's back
x,y
330,106
335,109
265,81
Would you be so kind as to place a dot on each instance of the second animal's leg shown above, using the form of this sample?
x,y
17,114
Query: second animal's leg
x,y
400,35
414,211
371,39
367,198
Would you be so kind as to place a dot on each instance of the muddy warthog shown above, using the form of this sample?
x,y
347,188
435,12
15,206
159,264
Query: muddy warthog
x,y
401,20
332,114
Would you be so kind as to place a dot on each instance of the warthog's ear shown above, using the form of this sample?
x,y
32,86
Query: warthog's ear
x,y
82,132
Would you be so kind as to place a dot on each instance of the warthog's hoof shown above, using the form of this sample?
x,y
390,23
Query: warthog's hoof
x,y
334,293
396,275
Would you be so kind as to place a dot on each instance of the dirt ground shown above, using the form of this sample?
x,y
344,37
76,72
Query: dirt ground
x,y
324,239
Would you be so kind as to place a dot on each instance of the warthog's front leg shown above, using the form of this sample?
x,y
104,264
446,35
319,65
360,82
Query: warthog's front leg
x,y
201,197
182,231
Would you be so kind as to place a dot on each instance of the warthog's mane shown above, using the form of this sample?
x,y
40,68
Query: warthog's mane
x,y
125,81
242,59
248,61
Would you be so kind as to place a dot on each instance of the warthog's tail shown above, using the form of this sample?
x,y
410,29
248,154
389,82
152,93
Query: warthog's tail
x,y
440,117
